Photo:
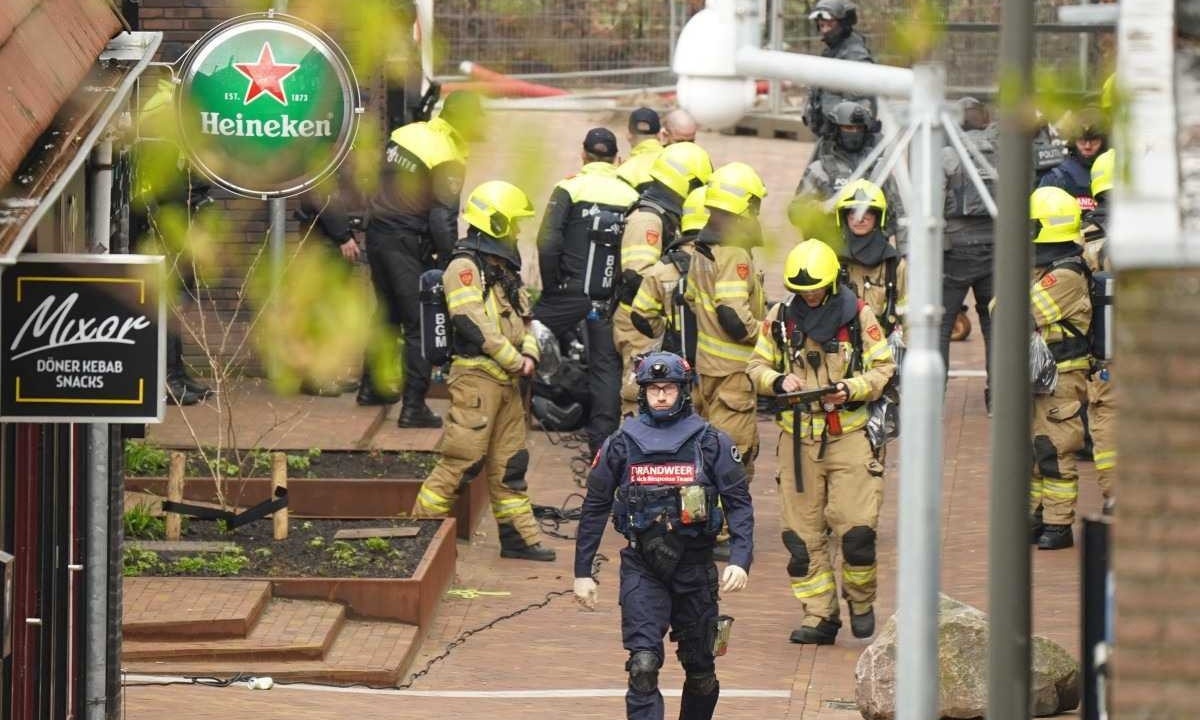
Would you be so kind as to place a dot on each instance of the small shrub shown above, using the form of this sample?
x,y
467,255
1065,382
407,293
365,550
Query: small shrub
x,y
189,565
141,525
317,542
230,562
343,554
144,459
377,544
140,562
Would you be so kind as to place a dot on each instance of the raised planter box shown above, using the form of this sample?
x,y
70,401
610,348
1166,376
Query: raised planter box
x,y
342,499
408,600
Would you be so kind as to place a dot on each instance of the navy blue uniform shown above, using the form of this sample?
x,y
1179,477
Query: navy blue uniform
x,y
1074,176
668,580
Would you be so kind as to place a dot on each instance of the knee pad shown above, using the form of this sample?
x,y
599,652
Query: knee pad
x,y
514,470
1046,457
700,683
643,671
469,474
798,565
858,546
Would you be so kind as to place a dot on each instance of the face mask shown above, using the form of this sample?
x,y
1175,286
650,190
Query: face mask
x,y
852,141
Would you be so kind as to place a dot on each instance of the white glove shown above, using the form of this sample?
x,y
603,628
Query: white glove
x,y
586,593
733,580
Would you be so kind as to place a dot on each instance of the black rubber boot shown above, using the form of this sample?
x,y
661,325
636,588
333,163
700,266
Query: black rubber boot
x,y
698,701
179,394
513,546
1035,526
368,394
181,389
418,416
863,626
825,633
1056,537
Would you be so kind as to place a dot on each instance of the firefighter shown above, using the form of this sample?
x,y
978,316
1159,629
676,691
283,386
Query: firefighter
x,y
661,477
493,350
724,290
1101,391
659,310
653,222
645,144
830,484
1086,133
871,265
593,201
835,20
1062,311
412,228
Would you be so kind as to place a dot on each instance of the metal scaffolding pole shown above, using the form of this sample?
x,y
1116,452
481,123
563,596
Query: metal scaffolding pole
x,y
1009,651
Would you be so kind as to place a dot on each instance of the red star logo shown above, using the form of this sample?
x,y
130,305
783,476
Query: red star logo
x,y
266,76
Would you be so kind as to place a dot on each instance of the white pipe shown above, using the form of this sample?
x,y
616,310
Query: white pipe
x,y
425,24
918,574
866,79
95,684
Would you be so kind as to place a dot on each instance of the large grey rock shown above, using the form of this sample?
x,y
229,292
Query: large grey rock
x,y
962,665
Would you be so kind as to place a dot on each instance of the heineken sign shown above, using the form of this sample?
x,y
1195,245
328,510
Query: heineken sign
x,y
268,105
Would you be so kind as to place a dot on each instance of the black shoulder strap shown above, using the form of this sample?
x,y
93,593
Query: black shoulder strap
x,y
854,328
890,272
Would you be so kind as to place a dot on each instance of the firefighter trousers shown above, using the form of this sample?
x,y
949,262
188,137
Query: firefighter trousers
x,y
630,343
485,430
1102,415
731,405
1057,435
843,491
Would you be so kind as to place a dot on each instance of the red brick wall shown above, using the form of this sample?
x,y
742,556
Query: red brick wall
x,y
1156,554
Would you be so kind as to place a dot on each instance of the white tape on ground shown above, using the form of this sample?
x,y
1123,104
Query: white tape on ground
x,y
135,680
968,373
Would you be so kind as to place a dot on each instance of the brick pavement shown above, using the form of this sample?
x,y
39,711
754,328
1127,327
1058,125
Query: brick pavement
x,y
560,647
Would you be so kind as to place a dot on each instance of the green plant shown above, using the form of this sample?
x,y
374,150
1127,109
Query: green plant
x,y
343,554
144,459
223,526
189,565
317,542
230,562
137,562
263,553
306,525
377,544
141,525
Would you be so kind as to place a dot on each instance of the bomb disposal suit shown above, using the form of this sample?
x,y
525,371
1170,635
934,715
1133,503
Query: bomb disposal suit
x,y
725,291
661,477
653,223
830,483
658,309
583,204
493,348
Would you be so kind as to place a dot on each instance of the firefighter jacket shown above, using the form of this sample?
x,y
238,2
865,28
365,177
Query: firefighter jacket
x,y
563,240
642,471
725,291
422,179
655,306
876,272
636,170
651,225
841,341
1061,304
489,311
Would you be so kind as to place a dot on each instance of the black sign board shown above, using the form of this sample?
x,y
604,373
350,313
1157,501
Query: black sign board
x,y
82,339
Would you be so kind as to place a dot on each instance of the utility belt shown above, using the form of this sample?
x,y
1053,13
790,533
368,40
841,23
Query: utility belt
x,y
1070,348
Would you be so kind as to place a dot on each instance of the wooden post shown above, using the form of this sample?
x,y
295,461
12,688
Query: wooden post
x,y
279,479
175,493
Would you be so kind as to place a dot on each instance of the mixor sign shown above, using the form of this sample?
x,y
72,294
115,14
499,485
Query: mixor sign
x,y
82,339
268,105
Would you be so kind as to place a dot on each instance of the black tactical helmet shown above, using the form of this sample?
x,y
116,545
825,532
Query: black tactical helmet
x,y
848,113
842,10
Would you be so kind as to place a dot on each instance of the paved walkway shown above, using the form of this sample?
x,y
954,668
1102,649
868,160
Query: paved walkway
x,y
559,661
539,656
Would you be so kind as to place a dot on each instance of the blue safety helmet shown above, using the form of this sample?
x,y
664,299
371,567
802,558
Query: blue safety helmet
x,y
659,367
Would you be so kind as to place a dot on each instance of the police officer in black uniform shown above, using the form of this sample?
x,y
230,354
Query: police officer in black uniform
x,y
414,225
835,21
594,200
660,477
1087,138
